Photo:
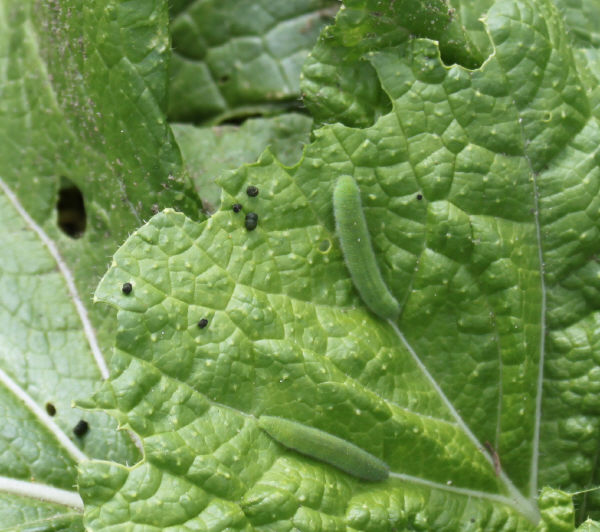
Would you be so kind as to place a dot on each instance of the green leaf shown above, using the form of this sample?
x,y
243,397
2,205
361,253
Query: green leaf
x,y
479,189
235,58
472,14
84,153
583,21
210,152
339,86
581,18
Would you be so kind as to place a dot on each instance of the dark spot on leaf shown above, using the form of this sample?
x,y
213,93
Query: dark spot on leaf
x,y
127,288
251,221
224,79
237,207
419,196
50,409
203,323
81,428
70,209
252,191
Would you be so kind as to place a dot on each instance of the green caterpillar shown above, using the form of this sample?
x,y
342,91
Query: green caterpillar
x,y
325,447
358,252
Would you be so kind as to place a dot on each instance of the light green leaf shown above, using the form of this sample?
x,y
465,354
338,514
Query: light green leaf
x,y
589,526
479,189
235,58
556,508
29,515
210,152
82,99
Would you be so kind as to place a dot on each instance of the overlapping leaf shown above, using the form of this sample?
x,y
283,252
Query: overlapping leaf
x,y
480,192
281,343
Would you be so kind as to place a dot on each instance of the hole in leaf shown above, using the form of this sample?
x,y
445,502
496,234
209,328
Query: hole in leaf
x,y
70,209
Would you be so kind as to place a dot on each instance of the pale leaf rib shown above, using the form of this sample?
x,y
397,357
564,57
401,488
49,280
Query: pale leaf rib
x,y
527,510
43,492
43,417
525,505
540,378
533,471
68,277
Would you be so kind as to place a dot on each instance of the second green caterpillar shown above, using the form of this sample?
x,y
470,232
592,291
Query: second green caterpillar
x,y
325,447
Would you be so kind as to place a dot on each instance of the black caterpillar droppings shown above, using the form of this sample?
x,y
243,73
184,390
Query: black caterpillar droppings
x,y
81,428
419,196
251,221
127,288
237,207
203,323
252,191
50,409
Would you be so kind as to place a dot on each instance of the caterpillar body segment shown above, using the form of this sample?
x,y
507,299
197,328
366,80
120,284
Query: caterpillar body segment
x,y
358,251
325,447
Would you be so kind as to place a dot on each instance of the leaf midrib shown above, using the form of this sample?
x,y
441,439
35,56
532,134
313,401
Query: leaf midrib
x,y
44,492
67,276
42,417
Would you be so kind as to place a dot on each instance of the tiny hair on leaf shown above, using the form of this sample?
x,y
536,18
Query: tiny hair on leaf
x,y
358,251
325,447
